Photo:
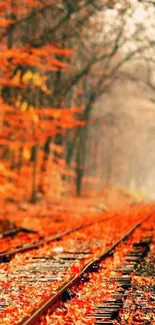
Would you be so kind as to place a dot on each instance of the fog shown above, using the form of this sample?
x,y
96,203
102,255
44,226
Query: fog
x,y
124,155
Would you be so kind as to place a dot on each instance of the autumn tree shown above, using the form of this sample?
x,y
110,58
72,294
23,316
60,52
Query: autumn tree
x,y
61,55
28,119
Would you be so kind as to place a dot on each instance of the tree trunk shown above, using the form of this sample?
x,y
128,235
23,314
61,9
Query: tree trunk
x,y
80,159
34,159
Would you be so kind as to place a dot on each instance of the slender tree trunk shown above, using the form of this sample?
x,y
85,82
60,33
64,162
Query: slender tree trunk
x,y
43,169
80,159
34,158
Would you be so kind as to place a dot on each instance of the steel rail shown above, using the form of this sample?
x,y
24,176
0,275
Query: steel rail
x,y
53,300
15,231
6,255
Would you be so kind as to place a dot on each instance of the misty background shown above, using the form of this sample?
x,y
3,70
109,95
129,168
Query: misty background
x,y
121,149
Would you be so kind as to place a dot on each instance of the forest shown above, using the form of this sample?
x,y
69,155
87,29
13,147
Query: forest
x,y
57,62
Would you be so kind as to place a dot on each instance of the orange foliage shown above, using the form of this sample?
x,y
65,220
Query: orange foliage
x,y
24,124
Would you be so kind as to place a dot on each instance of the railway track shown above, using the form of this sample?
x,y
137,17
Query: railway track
x,y
118,300
83,275
30,269
46,271
18,238
5,256
32,239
